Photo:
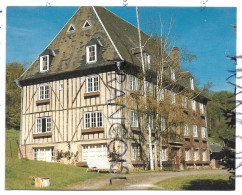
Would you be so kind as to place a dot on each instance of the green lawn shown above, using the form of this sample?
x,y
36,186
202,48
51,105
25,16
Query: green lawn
x,y
17,171
196,182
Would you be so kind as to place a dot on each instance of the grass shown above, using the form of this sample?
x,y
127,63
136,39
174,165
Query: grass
x,y
17,172
196,182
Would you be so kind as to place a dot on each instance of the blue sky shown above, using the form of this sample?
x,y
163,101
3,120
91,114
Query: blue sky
x,y
206,33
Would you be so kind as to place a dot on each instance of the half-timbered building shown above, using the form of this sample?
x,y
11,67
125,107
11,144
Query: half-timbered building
x,y
69,97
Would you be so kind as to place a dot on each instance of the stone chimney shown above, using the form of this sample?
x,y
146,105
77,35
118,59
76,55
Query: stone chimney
x,y
174,54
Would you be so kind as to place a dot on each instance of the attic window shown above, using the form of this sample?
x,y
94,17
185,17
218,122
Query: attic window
x,y
71,28
173,77
192,84
44,63
87,24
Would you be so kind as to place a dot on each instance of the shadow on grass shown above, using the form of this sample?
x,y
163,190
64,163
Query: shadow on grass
x,y
209,184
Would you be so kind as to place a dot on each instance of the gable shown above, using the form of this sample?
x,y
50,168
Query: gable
x,y
70,48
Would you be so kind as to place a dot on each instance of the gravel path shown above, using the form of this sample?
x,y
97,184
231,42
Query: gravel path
x,y
135,181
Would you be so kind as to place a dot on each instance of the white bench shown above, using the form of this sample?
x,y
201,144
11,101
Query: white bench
x,y
99,164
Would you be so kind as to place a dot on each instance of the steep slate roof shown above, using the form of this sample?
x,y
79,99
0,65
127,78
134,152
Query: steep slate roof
x,y
116,39
68,50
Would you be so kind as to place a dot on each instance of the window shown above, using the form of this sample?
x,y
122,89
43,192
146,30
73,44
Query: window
x,y
133,83
173,97
192,84
91,52
61,87
193,103
186,133
135,151
93,119
86,25
163,124
195,155
148,87
203,132
134,118
43,125
173,76
204,155
44,92
184,102
194,130
160,95
44,63
92,84
147,60
187,154
151,121
163,154
44,154
201,107
71,28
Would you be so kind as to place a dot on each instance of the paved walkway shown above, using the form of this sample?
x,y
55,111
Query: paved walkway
x,y
135,181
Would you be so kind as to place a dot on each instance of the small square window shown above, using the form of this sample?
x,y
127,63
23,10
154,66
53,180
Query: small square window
x,y
93,119
91,52
43,125
44,92
44,63
92,84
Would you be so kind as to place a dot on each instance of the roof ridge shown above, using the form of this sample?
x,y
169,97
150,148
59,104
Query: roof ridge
x,y
116,49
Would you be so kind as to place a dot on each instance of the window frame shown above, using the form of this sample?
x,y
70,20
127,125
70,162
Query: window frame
x,y
191,83
173,75
36,155
44,92
135,150
39,125
42,61
161,95
93,84
194,131
196,155
93,120
163,154
193,104
151,121
163,124
148,88
204,155
132,83
201,108
187,154
87,54
134,122
186,130
203,132
147,60
173,97
184,102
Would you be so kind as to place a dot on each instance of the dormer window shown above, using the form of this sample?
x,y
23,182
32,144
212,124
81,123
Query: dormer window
x,y
71,28
44,63
86,25
192,84
91,52
173,76
147,60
